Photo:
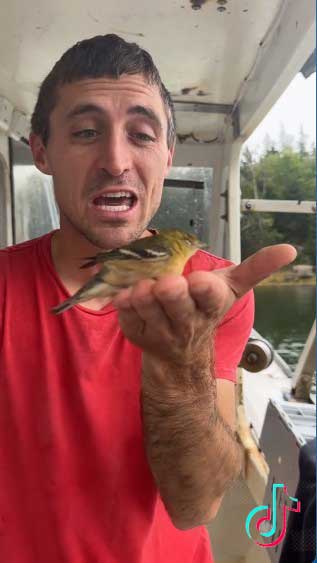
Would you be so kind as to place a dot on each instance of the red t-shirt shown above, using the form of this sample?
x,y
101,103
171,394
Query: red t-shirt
x,y
75,485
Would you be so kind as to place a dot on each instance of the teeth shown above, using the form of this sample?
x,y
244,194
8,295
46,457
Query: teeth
x,y
107,201
115,208
118,194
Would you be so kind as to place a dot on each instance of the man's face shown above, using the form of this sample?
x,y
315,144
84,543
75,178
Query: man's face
x,y
108,155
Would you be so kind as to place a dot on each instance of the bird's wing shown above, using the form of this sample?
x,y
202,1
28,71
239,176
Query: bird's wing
x,y
133,251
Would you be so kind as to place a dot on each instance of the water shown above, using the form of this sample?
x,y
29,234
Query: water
x,y
284,316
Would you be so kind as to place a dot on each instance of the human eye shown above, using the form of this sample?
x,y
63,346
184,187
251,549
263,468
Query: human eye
x,y
85,134
143,137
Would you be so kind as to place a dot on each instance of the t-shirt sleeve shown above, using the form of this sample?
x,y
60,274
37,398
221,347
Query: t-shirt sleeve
x,y
231,337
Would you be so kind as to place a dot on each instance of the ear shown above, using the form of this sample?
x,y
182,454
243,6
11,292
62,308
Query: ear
x,y
170,157
39,154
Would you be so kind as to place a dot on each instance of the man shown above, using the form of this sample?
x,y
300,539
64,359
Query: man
x,y
116,423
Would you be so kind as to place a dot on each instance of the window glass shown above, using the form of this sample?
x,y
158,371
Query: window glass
x,y
35,210
186,201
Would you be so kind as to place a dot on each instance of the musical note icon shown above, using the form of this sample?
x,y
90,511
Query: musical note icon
x,y
270,517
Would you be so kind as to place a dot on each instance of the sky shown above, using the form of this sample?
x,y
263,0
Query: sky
x,y
295,108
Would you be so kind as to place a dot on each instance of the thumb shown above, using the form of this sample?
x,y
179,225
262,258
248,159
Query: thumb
x,y
259,266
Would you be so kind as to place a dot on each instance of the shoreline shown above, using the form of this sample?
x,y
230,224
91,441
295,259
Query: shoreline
x,y
310,283
289,278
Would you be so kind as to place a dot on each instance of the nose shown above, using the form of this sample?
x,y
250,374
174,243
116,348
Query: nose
x,y
115,156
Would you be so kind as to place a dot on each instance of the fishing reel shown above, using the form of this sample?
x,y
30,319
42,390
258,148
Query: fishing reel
x,y
258,354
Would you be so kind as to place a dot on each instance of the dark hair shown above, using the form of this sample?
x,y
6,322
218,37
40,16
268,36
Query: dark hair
x,y
103,55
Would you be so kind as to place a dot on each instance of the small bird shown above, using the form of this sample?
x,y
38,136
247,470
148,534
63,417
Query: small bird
x,y
151,257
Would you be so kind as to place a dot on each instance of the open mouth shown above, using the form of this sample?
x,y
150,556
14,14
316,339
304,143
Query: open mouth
x,y
116,201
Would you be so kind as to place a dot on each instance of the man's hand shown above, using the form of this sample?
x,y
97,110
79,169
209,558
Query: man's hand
x,y
188,430
172,318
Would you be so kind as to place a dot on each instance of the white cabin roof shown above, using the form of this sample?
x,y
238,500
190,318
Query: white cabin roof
x,y
237,53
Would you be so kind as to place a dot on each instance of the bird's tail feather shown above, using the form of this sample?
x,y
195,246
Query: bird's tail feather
x,y
88,291
91,262
63,306
97,259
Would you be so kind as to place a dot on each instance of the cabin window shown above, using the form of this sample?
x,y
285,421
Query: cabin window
x,y
34,209
186,201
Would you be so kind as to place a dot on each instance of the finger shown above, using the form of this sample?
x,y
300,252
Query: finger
x,y
131,323
147,305
173,295
257,267
123,299
211,293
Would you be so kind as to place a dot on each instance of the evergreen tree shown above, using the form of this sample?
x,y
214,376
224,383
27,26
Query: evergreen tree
x,y
284,174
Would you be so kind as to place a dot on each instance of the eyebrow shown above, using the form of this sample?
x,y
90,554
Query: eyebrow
x,y
144,111
81,109
147,112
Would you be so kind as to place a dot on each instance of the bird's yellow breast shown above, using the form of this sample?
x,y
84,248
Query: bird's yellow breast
x,y
129,272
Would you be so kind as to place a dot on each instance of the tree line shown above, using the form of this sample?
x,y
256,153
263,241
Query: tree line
x,y
287,173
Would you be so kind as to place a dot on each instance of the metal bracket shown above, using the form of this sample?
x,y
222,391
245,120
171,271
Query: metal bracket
x,y
278,206
236,122
225,195
310,65
6,110
12,121
20,126
202,107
